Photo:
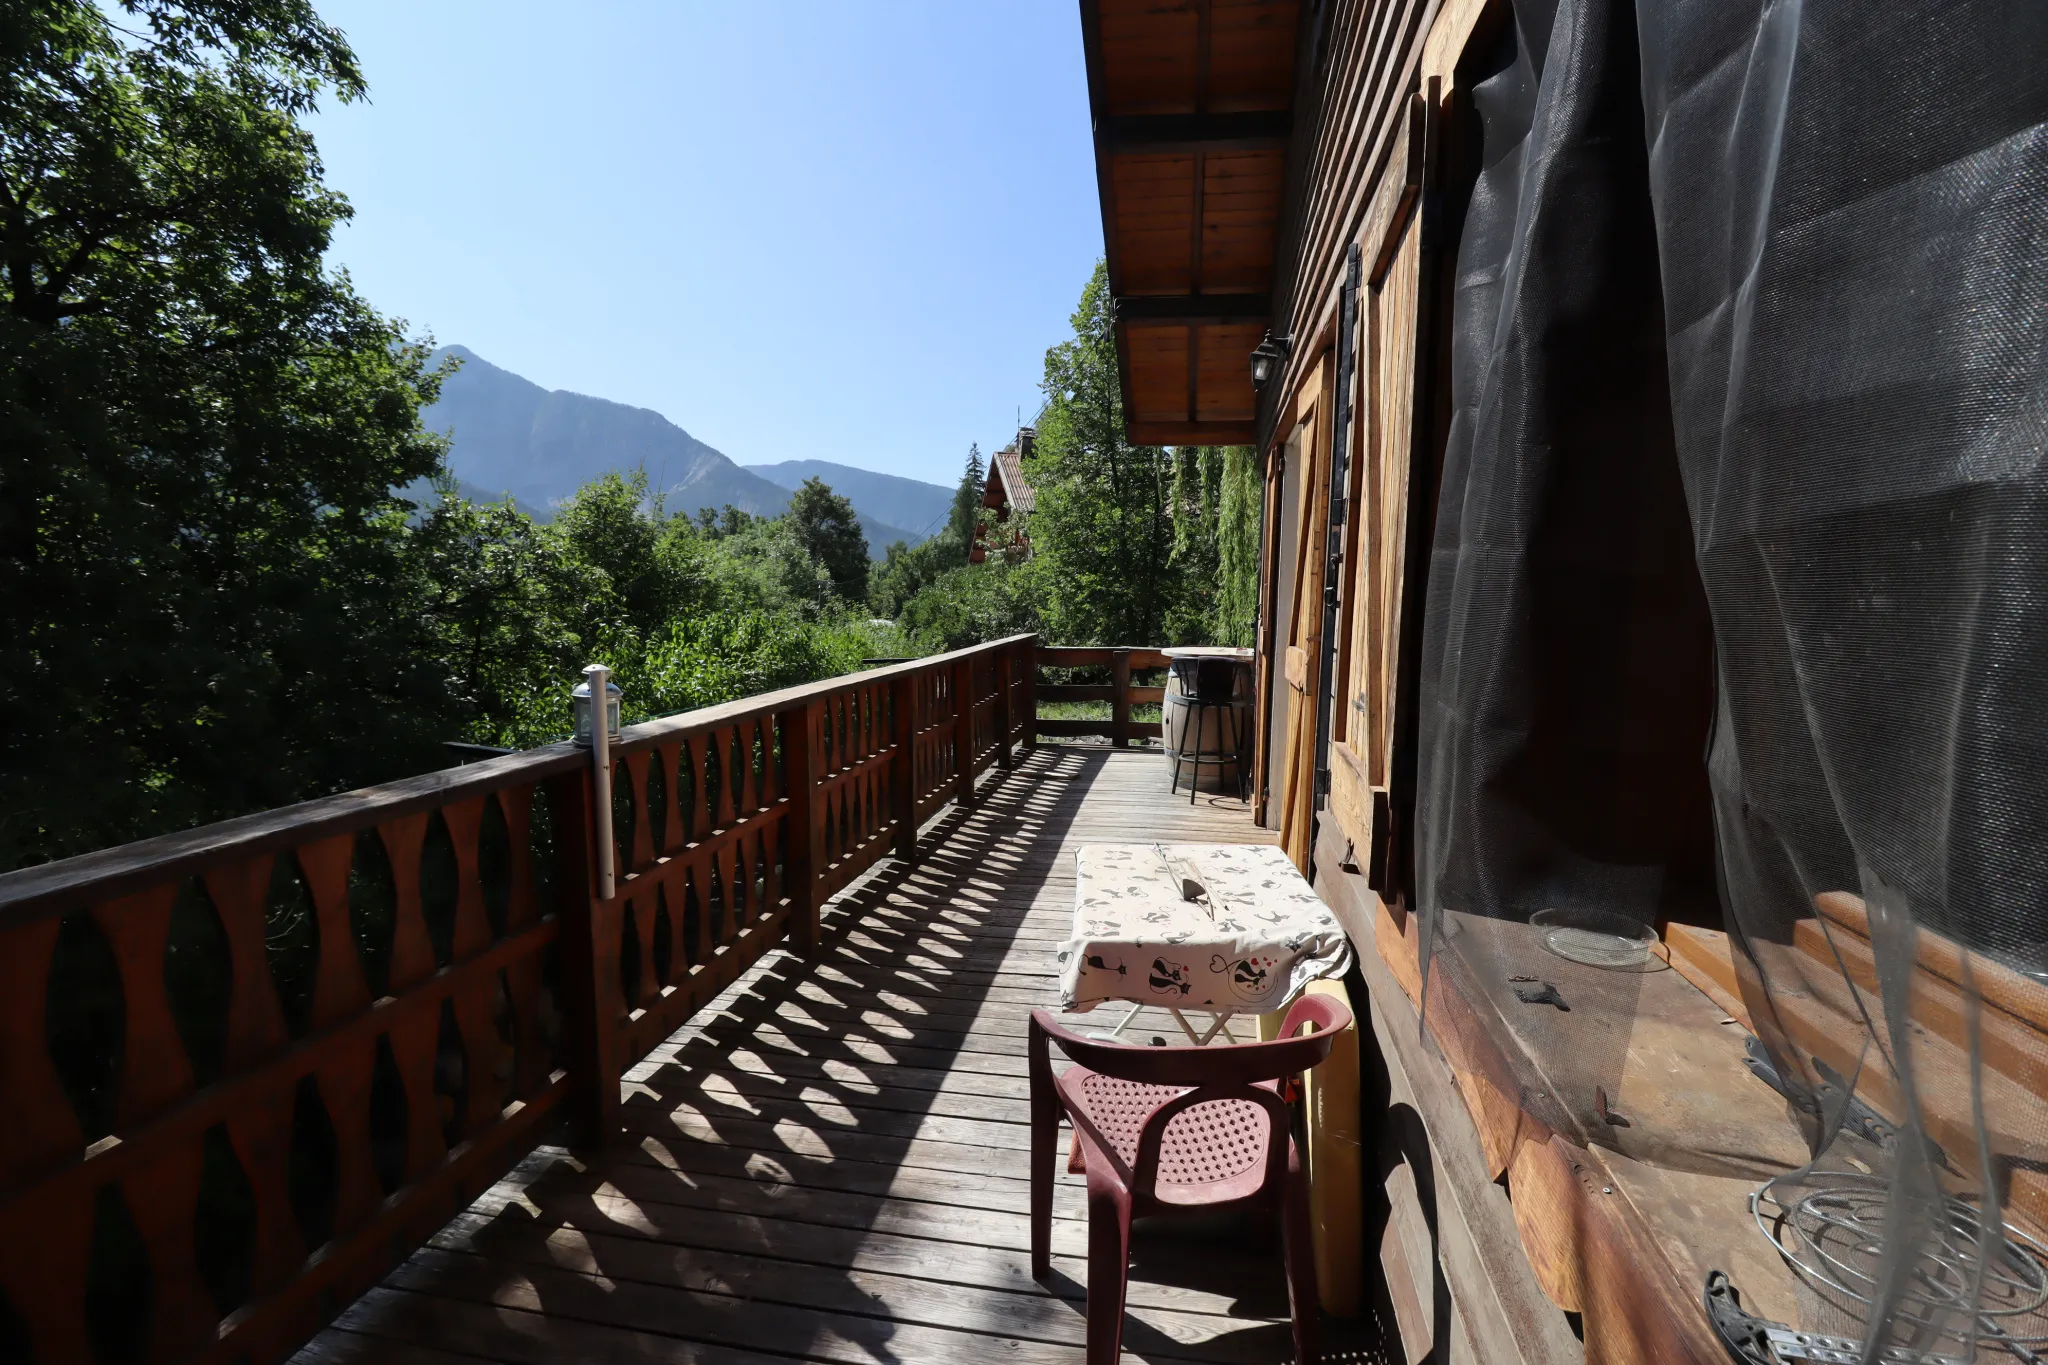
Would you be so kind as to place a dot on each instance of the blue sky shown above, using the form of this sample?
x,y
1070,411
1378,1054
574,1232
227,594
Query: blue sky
x,y
797,229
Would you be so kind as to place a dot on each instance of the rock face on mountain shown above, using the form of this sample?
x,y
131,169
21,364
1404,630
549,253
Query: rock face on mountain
x,y
510,435
921,507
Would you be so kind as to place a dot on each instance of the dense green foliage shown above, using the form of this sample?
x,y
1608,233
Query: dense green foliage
x,y
1129,544
213,597
686,612
212,600
1103,528
907,571
829,534
205,603
1239,502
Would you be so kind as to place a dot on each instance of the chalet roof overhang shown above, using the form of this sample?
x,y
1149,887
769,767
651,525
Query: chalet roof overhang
x,y
1193,105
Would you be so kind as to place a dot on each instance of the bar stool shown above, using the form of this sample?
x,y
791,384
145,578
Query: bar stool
x,y
1215,690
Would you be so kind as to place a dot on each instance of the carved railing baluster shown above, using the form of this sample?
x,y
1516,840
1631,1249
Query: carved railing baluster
x,y
255,1027
632,770
163,1199
246,956
38,1129
412,948
154,1070
748,735
339,990
344,1081
260,1132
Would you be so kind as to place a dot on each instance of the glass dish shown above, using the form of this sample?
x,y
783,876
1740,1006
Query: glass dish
x,y
1597,938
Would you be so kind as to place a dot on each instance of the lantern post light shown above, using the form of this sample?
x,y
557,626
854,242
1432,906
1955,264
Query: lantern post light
x,y
1268,356
599,736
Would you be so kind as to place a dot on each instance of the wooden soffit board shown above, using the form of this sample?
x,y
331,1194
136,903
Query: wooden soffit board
x,y
1193,109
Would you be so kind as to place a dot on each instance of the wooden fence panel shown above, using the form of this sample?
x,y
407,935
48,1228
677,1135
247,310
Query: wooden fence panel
x,y
402,985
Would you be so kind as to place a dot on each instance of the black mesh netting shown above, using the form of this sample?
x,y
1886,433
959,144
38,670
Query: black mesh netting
x,y
1737,612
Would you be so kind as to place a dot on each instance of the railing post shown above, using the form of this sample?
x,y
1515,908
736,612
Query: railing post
x,y
590,973
1030,708
903,768
804,859
1120,706
1003,678
963,731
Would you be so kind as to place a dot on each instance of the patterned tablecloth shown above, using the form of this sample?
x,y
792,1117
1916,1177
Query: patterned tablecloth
x,y
1256,937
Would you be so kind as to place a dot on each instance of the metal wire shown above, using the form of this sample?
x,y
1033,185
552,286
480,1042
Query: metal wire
x,y
1834,1236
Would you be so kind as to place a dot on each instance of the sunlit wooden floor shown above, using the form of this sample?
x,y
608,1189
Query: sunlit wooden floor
x,y
829,1164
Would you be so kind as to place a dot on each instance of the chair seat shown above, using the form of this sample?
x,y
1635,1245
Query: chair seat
x,y
1210,1154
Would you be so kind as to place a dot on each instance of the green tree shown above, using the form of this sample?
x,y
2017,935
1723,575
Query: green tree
x,y
635,569
1197,479
973,603
966,513
497,585
826,527
1101,526
1239,504
206,600
908,570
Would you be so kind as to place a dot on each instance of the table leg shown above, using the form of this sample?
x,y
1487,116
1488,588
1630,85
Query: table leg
x,y
1218,1018
1121,1024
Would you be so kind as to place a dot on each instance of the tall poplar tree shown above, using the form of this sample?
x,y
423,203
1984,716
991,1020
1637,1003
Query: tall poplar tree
x,y
1101,526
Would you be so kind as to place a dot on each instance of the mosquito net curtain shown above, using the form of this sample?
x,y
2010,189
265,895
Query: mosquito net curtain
x,y
1740,570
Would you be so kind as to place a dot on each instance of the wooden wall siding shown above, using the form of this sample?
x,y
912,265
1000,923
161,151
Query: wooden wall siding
x,y
455,982
1360,94
1362,719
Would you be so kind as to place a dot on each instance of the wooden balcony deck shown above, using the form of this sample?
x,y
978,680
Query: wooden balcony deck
x,y
828,1163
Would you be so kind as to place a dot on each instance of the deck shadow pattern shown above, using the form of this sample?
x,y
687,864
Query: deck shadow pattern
x,y
829,1163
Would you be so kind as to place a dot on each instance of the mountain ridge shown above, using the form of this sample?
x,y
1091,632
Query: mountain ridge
x,y
912,503
510,436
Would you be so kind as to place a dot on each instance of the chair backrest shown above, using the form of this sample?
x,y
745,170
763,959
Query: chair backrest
x,y
1238,1064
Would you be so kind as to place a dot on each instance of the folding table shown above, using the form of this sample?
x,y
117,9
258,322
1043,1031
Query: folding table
x,y
1224,929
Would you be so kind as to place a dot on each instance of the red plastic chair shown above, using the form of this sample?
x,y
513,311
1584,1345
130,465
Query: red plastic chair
x,y
1165,1130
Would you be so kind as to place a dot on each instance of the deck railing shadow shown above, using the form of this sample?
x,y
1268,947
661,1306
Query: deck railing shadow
x,y
842,1135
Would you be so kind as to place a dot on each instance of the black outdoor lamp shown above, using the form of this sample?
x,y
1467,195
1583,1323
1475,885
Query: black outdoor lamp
x,y
1268,356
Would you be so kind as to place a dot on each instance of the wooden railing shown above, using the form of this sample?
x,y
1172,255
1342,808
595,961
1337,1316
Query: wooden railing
x,y
1120,692
247,1068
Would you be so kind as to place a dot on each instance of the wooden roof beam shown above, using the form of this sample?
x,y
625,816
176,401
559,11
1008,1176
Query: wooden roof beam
x,y
1192,308
1162,134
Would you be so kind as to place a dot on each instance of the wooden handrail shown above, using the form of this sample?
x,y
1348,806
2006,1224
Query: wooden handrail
x,y
510,990
1120,692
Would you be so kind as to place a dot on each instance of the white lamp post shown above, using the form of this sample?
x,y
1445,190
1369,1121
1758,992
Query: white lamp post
x,y
597,682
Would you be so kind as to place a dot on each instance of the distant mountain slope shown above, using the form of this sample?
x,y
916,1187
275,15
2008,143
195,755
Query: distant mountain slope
x,y
921,506
421,491
510,435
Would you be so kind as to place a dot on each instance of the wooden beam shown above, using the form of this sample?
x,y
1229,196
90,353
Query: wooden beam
x,y
1139,309
1168,134
1190,433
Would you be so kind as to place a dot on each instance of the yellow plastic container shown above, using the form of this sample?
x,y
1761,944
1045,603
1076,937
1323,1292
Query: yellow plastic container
x,y
1336,1163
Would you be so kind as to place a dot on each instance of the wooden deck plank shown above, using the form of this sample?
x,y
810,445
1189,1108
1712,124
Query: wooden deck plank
x,y
828,1163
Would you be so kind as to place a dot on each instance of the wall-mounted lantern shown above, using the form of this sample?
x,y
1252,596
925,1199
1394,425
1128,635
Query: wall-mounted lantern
x,y
1268,356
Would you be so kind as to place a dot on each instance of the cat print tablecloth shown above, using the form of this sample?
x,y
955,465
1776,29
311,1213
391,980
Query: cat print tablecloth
x,y
1255,937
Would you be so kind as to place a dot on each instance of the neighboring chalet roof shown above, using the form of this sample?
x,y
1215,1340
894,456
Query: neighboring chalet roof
x,y
1193,105
1006,486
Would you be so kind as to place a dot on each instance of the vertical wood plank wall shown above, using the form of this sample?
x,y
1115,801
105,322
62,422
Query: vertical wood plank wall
x,y
468,986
